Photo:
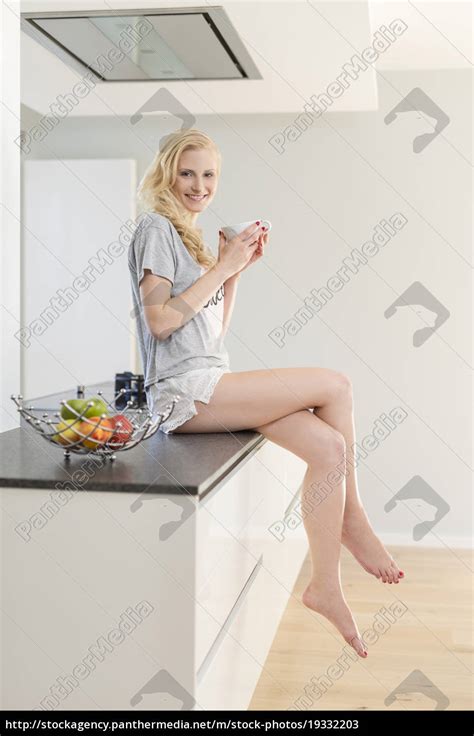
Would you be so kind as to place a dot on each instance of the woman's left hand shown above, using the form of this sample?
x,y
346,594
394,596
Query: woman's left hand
x,y
258,252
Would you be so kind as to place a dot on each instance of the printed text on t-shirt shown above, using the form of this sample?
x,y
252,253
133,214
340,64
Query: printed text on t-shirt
x,y
217,296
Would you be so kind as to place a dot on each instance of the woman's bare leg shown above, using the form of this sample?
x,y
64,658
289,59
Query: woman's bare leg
x,y
323,449
357,533
250,399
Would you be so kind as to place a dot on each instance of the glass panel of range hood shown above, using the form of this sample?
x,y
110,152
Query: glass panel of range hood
x,y
160,47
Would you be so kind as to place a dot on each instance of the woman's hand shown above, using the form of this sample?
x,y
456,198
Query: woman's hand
x,y
257,253
235,254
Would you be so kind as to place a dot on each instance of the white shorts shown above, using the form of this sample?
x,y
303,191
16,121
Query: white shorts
x,y
196,385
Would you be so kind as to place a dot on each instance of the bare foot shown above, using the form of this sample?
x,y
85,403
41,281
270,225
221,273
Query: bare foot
x,y
361,540
332,605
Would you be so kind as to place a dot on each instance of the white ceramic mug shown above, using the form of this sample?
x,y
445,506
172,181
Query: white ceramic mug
x,y
230,231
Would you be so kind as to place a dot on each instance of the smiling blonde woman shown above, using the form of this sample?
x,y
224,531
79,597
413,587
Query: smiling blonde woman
x,y
184,297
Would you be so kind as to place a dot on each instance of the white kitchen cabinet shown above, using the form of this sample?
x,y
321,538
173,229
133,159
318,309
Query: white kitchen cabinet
x,y
157,601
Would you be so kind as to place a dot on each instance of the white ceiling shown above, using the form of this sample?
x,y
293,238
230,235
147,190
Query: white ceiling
x,y
439,34
298,46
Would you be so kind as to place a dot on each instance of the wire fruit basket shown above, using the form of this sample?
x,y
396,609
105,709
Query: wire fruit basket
x,y
84,426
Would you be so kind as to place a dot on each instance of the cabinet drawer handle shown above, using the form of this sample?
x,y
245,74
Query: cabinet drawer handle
x,y
214,648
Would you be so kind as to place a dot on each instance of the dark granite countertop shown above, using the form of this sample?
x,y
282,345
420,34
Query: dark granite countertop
x,y
181,463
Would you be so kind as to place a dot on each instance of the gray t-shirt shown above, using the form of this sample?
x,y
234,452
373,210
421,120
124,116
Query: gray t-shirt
x,y
157,245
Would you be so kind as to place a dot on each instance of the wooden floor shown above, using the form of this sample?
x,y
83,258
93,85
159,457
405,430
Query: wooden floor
x,y
428,644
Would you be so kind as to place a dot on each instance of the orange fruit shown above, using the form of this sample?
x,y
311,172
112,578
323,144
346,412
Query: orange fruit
x,y
102,433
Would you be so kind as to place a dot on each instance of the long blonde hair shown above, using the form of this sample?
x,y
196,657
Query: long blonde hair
x,y
155,194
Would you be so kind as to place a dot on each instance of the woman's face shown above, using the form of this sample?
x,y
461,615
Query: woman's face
x,y
196,180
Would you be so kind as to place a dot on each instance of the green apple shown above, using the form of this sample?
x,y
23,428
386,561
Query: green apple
x,y
98,408
78,405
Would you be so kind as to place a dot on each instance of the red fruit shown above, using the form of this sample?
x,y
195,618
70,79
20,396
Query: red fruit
x,y
123,429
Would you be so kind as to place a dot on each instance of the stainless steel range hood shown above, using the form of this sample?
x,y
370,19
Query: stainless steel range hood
x,y
140,45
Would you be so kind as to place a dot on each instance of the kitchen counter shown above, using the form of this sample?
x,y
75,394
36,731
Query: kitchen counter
x,y
159,582
193,464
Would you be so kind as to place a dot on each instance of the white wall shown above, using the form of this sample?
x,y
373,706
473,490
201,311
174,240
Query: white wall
x,y
324,196
10,216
